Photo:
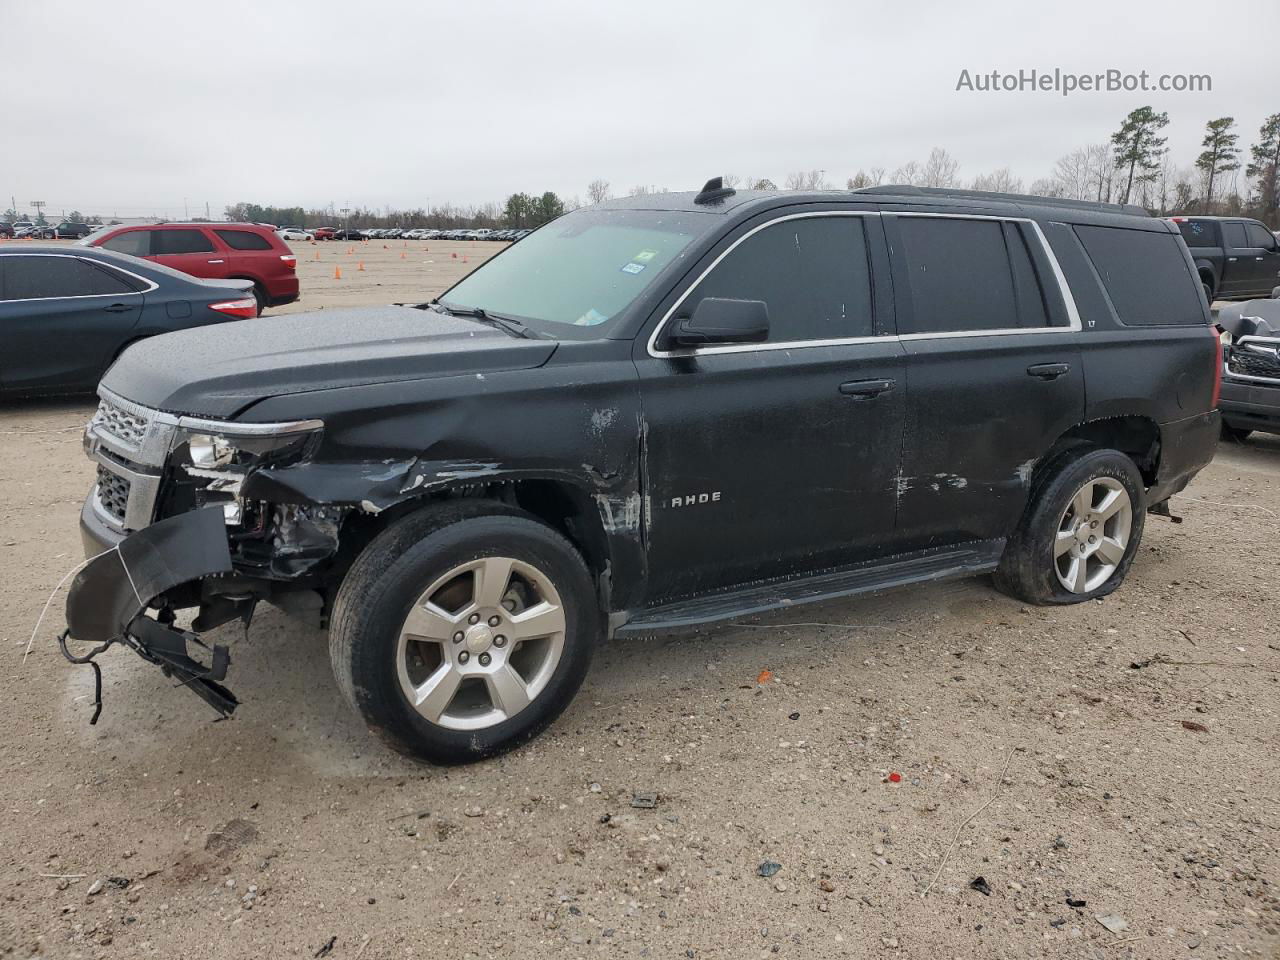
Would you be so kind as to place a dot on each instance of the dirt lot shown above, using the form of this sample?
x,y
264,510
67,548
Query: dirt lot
x,y
289,832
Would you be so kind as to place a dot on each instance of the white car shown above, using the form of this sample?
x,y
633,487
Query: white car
x,y
293,233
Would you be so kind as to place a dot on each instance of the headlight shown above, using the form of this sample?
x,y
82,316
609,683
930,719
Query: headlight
x,y
233,447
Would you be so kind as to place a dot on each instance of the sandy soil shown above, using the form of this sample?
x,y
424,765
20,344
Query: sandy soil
x,y
159,833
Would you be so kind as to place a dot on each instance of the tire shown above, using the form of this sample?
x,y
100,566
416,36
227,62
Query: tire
x,y
1040,560
381,657
260,295
1208,292
1235,434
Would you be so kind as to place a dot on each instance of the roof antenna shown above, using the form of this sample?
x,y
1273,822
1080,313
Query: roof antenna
x,y
714,191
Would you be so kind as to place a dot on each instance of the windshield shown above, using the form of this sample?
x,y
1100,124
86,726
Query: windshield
x,y
580,271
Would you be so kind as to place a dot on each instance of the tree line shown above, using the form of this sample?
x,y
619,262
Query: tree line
x,y
518,210
1133,166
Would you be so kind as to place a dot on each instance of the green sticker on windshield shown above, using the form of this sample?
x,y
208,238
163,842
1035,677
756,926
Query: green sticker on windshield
x,y
644,256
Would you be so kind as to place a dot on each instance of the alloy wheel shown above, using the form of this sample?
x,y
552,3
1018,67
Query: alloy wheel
x,y
1093,535
481,643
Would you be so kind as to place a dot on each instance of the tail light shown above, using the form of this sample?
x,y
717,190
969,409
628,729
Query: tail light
x,y
248,307
1218,360
290,261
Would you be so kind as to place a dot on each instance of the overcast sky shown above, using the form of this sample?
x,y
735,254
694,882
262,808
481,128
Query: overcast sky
x,y
135,108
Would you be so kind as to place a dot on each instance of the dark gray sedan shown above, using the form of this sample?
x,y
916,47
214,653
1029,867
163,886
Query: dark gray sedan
x,y
66,313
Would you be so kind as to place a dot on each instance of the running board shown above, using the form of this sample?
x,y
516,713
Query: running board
x,y
967,560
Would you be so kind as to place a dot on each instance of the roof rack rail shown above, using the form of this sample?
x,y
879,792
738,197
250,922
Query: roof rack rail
x,y
1130,209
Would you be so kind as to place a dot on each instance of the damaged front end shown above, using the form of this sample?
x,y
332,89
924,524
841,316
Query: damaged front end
x,y
216,550
110,597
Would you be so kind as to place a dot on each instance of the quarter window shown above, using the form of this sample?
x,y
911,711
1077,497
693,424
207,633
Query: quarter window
x,y
1145,274
968,276
244,240
812,273
1197,233
55,277
179,241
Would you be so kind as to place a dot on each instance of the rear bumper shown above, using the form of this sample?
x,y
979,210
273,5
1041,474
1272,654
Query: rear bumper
x,y
1251,406
1186,447
282,299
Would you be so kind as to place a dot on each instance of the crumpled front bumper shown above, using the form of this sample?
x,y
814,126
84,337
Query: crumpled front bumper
x,y
108,599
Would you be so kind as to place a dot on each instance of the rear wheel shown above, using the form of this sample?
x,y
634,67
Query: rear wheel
x,y
1079,534
464,631
260,296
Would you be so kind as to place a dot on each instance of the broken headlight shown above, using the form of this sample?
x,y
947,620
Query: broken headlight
x,y
235,447
217,456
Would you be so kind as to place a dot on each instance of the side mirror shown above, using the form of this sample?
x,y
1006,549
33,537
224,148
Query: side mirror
x,y
720,320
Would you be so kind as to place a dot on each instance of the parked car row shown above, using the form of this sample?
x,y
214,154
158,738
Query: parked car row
x,y
397,233
26,230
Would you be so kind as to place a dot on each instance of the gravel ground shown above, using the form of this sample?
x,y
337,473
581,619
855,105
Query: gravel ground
x,y
1120,756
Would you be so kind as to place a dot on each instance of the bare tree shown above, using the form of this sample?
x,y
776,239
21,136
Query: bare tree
x,y
1047,187
1072,176
940,169
869,178
731,180
640,190
909,173
998,181
764,183
597,191
807,180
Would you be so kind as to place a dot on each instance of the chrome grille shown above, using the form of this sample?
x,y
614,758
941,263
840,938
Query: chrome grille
x,y
1260,361
128,427
113,493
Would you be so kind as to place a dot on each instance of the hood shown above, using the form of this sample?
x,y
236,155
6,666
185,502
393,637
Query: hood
x,y
217,371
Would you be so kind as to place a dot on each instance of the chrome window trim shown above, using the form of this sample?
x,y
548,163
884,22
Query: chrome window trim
x,y
151,284
1074,323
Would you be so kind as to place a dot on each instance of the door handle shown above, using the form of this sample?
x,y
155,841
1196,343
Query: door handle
x,y
1048,371
1259,258
118,308
1232,259
217,261
866,388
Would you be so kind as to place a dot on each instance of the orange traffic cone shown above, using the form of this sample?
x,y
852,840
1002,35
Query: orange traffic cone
x,y
360,267
350,251
337,273
464,259
317,256
401,254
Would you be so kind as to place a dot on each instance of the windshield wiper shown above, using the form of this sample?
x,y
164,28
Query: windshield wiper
x,y
504,323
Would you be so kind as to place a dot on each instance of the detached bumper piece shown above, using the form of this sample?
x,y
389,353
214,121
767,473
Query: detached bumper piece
x,y
109,598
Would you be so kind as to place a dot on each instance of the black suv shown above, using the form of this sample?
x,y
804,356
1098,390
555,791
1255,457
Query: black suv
x,y
650,415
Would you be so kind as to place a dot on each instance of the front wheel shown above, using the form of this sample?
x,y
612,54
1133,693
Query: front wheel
x,y
1079,534
463,631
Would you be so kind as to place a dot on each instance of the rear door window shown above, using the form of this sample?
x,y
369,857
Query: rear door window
x,y
1145,274
136,243
813,274
243,240
968,275
179,241
55,277
1235,235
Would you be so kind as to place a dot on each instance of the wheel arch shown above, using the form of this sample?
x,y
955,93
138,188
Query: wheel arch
x,y
1135,435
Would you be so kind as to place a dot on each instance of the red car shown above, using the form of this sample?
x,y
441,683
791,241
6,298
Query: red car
x,y
216,251
324,233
